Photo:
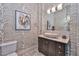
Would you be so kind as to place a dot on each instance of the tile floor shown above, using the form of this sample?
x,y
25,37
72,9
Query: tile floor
x,y
30,52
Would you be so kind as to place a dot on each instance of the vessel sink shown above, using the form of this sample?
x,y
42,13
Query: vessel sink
x,y
51,35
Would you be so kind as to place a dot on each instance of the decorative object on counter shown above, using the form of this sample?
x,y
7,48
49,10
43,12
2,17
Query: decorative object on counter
x,y
64,37
22,21
53,28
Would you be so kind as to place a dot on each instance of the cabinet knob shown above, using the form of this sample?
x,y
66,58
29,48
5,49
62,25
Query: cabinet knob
x,y
59,46
59,52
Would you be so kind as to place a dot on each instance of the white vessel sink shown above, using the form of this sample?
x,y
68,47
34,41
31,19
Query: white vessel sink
x,y
51,35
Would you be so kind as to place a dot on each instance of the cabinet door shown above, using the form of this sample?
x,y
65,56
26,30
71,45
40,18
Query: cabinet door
x,y
45,46
51,48
40,44
60,49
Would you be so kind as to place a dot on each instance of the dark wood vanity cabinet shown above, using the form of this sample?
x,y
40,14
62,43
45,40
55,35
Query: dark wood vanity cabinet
x,y
50,47
43,46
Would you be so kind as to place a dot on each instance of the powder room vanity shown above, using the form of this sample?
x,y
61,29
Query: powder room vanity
x,y
52,45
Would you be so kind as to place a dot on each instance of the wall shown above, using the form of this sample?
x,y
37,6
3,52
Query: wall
x,y
77,29
1,23
73,26
26,39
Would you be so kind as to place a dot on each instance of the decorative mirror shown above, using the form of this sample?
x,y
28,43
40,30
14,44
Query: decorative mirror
x,y
58,17
50,21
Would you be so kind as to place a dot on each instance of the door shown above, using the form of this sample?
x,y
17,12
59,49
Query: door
x,y
51,48
60,49
45,46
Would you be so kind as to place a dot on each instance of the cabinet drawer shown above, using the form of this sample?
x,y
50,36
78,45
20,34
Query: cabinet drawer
x,y
45,46
60,49
60,46
59,53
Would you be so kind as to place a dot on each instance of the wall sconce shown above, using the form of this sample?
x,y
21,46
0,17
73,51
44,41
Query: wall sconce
x,y
48,11
60,7
53,9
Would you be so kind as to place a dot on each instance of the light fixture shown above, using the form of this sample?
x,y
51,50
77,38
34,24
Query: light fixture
x,y
53,9
48,11
60,7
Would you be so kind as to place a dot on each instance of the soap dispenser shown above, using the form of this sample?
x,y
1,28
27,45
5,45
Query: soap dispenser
x,y
53,28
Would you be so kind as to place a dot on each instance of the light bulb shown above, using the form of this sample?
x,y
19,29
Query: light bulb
x,y
60,7
53,9
48,11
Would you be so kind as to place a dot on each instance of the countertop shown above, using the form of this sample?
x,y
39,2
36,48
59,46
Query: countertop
x,y
59,39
